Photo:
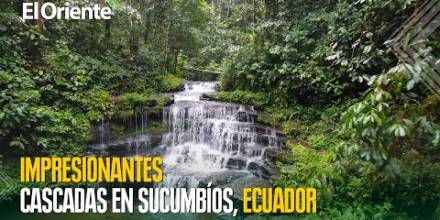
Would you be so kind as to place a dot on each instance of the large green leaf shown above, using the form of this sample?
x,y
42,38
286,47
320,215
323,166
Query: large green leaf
x,y
116,5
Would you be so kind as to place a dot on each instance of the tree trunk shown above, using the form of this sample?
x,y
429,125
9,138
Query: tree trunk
x,y
271,8
176,56
108,24
108,29
40,20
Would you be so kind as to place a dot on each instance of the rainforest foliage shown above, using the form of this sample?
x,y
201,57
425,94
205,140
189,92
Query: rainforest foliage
x,y
59,77
361,128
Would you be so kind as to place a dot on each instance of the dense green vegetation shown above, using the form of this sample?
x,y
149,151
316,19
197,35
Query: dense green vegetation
x,y
360,127
59,77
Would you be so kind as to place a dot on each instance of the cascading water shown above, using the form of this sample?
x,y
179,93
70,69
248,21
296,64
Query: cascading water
x,y
203,141
211,141
135,141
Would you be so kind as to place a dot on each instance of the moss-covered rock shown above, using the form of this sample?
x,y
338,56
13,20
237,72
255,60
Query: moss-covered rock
x,y
172,83
127,104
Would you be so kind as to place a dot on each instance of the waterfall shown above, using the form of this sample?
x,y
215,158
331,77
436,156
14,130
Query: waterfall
x,y
200,141
135,142
208,137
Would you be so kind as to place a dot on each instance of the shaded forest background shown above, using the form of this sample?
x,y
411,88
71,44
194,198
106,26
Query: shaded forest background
x,y
361,128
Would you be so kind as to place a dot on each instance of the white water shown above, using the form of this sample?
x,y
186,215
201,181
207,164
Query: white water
x,y
193,91
209,137
205,142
